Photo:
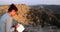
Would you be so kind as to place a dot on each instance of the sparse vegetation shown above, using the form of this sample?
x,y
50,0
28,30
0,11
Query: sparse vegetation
x,y
35,15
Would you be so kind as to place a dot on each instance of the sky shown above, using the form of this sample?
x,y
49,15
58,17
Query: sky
x,y
30,2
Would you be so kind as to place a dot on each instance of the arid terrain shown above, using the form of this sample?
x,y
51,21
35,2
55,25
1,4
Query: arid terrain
x,y
36,18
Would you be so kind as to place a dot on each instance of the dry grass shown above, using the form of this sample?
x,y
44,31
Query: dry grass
x,y
22,12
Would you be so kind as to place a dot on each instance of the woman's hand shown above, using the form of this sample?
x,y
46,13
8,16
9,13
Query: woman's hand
x,y
17,26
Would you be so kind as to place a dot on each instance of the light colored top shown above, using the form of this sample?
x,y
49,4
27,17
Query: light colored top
x,y
6,23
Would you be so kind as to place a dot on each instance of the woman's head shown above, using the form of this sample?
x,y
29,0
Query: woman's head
x,y
12,9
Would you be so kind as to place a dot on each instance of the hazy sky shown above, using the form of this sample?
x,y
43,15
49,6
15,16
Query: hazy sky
x,y
30,2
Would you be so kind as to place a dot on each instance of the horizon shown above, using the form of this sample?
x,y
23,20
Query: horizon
x,y
30,2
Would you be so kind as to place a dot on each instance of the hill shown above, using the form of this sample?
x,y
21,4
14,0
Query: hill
x,y
43,15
